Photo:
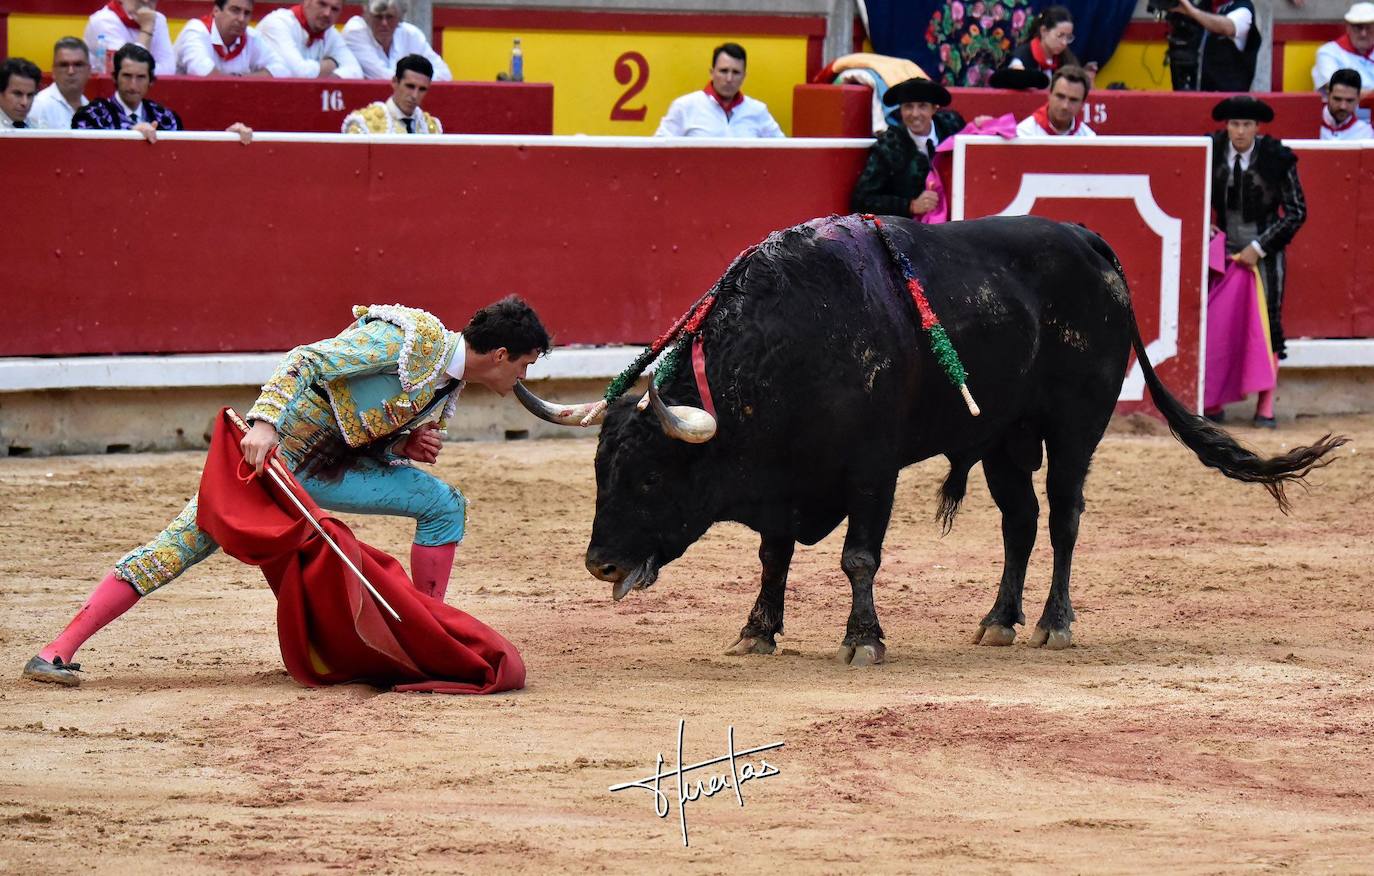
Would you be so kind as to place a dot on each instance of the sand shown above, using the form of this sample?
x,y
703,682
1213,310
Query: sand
x,y
1216,712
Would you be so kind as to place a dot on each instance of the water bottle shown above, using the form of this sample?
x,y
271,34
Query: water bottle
x,y
98,59
517,62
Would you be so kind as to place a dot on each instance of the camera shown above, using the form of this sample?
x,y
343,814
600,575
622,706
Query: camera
x,y
1160,7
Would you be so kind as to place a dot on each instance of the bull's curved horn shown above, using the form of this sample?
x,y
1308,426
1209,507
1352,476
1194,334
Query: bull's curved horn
x,y
589,414
692,425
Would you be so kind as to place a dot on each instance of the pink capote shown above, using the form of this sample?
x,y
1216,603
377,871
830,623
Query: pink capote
x,y
1240,359
330,629
1002,126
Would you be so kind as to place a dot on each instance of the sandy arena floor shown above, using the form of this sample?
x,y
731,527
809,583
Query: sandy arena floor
x,y
1216,712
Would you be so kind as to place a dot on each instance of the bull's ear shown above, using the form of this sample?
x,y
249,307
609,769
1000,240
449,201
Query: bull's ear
x,y
589,414
684,423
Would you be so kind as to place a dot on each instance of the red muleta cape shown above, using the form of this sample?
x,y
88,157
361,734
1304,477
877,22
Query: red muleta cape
x,y
330,629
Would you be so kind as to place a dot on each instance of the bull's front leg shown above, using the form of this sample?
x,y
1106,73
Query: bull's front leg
x,y
760,633
870,508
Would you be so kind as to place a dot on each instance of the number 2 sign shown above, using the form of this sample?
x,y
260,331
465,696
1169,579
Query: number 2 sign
x,y
631,69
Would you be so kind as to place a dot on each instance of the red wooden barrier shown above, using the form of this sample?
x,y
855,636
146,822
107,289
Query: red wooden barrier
x,y
1145,113
319,106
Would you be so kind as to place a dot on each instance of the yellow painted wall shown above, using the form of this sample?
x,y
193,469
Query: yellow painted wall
x,y
582,67
1138,64
32,36
1298,61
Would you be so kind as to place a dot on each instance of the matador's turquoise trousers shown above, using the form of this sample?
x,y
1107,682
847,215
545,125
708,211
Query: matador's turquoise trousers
x,y
368,486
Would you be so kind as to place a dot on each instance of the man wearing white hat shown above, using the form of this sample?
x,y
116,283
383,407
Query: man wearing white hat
x,y
1354,50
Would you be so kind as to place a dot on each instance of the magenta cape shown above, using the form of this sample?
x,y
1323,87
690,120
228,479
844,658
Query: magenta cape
x,y
1240,359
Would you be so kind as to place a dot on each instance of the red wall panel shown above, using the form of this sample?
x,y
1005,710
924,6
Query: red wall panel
x,y
192,246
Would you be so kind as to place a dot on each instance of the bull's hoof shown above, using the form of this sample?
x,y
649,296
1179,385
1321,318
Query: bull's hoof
x,y
751,645
994,634
862,655
1054,640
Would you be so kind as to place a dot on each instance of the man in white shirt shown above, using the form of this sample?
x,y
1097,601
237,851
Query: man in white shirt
x,y
305,38
222,43
18,84
1354,50
1060,116
55,105
400,113
720,109
379,39
131,21
1339,121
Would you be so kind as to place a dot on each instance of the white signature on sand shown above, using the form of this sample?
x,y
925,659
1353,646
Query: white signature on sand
x,y
690,791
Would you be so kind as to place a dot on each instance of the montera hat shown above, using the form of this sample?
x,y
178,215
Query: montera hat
x,y
916,89
1360,13
1243,106
1019,79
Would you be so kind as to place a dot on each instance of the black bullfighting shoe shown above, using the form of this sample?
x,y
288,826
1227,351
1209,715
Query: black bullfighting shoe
x,y
55,672
1266,422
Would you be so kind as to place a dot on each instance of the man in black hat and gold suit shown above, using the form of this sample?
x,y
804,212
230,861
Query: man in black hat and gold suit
x,y
1257,200
893,182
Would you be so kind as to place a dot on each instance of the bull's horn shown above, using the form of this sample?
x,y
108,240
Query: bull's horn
x,y
692,425
588,414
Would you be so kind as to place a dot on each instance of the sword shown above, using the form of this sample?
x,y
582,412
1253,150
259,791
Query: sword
x,y
275,470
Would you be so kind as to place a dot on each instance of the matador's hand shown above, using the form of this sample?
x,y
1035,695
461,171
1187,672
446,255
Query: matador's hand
x,y
424,444
257,445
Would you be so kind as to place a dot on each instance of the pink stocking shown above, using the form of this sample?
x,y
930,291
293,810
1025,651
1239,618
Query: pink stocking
x,y
112,597
1264,404
430,567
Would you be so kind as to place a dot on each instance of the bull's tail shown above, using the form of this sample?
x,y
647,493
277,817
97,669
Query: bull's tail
x,y
1217,449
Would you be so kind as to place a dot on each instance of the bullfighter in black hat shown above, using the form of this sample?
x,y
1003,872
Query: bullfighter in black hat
x,y
1257,200
893,182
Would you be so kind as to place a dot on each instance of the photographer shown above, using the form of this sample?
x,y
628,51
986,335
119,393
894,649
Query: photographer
x,y
1211,49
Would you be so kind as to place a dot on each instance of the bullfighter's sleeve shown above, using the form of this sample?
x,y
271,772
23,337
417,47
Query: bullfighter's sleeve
x,y
871,192
359,350
1294,207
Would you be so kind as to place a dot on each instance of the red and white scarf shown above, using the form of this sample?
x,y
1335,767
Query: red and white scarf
x,y
727,105
1042,118
311,36
1047,63
1329,123
1344,42
225,54
118,9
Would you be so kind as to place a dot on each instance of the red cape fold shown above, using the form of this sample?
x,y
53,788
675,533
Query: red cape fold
x,y
330,629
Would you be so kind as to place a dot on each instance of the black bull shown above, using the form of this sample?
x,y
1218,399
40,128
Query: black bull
x,y
826,387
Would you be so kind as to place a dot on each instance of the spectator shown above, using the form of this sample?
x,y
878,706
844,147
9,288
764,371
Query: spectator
x,y
71,70
131,21
720,109
1059,116
1258,202
893,181
400,113
1230,44
379,39
128,110
1048,48
222,43
1339,121
18,84
305,38
1354,50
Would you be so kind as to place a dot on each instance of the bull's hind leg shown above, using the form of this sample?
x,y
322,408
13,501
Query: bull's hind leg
x,y
765,621
870,509
1011,488
1064,485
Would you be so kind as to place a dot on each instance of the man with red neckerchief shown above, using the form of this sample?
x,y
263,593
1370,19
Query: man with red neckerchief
x,y
1354,50
305,38
1339,121
222,43
130,21
720,109
1059,117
